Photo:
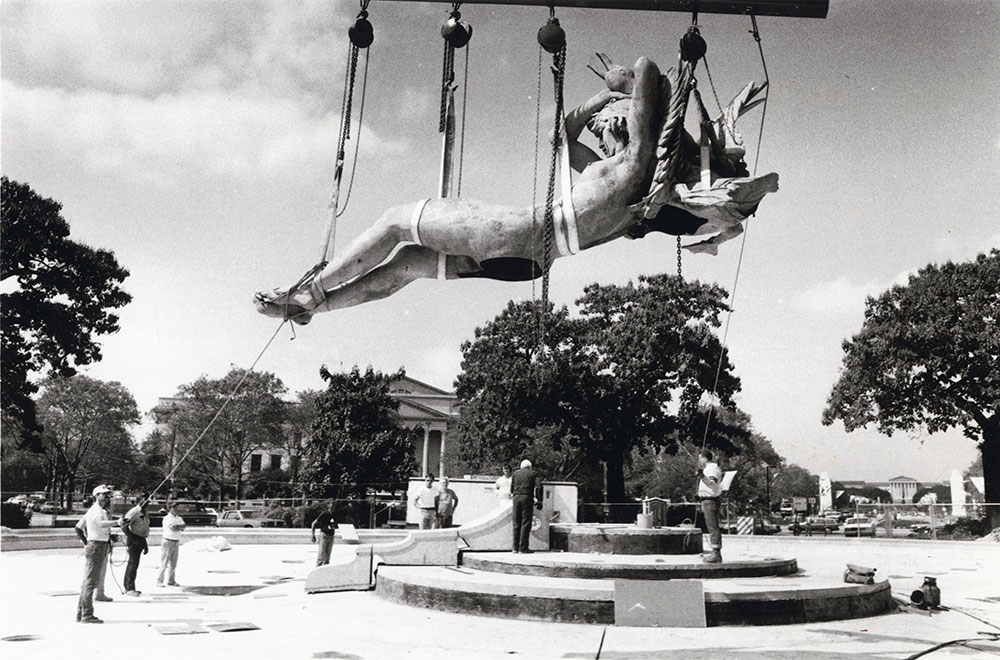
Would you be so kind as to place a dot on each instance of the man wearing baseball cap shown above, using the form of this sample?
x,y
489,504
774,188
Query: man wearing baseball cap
x,y
96,525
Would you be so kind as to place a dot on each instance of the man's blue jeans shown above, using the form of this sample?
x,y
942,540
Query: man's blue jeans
x,y
710,509
325,546
96,556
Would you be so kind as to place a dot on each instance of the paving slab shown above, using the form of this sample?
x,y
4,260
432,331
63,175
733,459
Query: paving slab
x,y
362,626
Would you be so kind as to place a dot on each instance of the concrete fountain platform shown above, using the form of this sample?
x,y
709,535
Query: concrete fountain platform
x,y
632,566
573,587
37,623
622,539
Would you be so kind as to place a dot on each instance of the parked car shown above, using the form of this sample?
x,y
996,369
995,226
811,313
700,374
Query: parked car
x,y
18,499
247,518
50,507
765,527
195,514
860,526
823,524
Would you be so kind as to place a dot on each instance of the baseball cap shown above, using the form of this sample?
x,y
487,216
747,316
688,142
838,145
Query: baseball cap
x,y
101,489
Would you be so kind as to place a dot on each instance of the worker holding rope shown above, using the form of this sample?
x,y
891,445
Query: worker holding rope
x,y
455,238
95,532
135,526
710,492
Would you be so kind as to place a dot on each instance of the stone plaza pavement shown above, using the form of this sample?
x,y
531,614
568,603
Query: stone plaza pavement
x,y
40,589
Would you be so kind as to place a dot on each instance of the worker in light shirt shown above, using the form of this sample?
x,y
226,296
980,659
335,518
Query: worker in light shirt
x,y
173,525
709,492
95,530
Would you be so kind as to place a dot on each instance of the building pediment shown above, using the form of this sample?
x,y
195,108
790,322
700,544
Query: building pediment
x,y
411,411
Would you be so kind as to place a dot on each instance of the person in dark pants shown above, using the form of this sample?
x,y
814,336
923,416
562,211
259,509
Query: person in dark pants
x,y
523,484
709,492
97,535
326,523
135,525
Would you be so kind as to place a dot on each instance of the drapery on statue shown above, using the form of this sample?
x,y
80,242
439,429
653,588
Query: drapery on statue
x,y
627,193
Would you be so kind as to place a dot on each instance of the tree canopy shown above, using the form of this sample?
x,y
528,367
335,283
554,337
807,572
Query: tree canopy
x,y
928,355
65,294
86,436
357,442
629,372
249,420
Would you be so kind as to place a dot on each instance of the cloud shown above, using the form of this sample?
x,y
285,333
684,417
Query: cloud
x,y
213,133
839,296
151,48
951,247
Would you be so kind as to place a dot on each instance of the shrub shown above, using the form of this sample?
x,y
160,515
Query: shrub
x,y
307,513
967,528
14,515
284,513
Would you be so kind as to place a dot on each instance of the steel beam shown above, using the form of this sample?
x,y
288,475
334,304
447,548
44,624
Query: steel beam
x,y
790,8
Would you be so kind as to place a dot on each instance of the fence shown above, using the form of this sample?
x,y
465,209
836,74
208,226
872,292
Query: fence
x,y
664,513
925,521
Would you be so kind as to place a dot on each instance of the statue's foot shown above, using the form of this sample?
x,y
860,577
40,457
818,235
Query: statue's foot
x,y
298,304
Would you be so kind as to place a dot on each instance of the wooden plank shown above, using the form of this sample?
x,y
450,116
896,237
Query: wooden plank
x,y
790,8
347,533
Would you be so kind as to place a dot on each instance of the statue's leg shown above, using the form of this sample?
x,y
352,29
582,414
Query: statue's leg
x,y
369,249
408,263
365,253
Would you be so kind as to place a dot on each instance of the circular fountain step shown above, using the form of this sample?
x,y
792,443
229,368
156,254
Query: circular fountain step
x,y
728,601
633,567
621,539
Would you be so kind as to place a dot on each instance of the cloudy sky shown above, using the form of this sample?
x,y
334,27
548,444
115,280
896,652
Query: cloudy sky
x,y
196,140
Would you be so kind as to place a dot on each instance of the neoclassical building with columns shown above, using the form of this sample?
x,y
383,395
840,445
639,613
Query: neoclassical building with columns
x,y
433,410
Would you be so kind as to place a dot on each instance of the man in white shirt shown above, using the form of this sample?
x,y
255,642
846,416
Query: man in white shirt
x,y
173,525
96,527
709,492
502,488
427,501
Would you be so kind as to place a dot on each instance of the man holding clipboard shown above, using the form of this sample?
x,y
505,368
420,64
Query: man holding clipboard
x,y
710,490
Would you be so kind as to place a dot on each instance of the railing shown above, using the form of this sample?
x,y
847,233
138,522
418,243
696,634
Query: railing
x,y
927,521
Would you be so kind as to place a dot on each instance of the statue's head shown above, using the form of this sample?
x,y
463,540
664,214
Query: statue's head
x,y
618,78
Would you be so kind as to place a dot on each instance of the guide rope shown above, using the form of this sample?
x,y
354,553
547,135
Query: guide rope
x,y
225,403
739,262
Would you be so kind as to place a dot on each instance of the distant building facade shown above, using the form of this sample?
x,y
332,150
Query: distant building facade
x,y
902,489
432,411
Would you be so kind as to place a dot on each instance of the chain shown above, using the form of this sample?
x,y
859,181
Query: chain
x,y
447,78
680,273
559,73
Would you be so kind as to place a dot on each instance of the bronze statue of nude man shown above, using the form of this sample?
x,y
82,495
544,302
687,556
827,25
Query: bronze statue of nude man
x,y
455,238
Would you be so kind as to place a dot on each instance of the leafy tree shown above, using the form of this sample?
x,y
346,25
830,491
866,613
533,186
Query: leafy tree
x,y
660,474
20,469
65,294
273,482
849,496
629,373
86,436
500,382
795,481
248,414
928,355
940,494
299,420
357,441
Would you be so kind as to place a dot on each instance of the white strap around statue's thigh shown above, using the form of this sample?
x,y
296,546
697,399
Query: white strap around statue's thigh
x,y
566,186
442,260
418,210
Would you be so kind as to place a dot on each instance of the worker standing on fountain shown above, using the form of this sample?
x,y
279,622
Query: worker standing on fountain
x,y
709,492
523,485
